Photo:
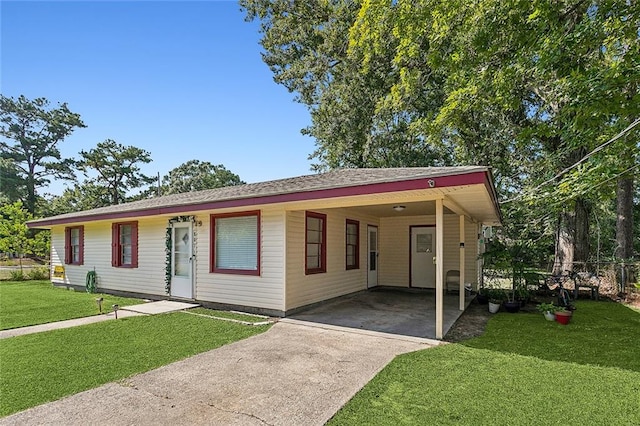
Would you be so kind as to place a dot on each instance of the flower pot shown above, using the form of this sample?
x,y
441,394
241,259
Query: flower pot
x,y
512,307
482,299
550,316
494,307
563,317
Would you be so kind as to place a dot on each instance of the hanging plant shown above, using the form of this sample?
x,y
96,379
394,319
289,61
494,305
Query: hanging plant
x,y
168,246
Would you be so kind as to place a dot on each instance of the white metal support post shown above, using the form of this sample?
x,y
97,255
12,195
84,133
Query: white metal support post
x,y
439,266
462,263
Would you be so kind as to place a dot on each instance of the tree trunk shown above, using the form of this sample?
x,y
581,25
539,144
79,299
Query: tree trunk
x,y
563,259
624,219
582,238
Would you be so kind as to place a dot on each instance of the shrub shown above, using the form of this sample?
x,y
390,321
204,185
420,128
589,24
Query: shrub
x,y
40,273
18,275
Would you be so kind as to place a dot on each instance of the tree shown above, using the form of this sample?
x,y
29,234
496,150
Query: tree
x,y
32,132
196,175
116,168
526,87
83,196
11,187
554,69
307,48
14,234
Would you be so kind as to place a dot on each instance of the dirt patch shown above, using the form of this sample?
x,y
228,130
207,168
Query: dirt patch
x,y
471,323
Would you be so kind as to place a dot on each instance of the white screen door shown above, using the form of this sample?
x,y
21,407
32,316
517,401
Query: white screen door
x,y
423,247
181,261
372,259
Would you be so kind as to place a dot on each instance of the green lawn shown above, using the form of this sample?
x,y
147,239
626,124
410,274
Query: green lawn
x,y
43,367
24,303
522,371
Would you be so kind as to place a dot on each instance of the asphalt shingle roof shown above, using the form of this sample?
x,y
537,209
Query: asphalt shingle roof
x,y
340,178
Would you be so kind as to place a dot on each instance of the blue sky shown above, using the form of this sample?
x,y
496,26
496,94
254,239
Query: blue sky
x,y
183,80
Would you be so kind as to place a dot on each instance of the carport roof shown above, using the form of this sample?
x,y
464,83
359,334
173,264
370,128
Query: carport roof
x,y
336,183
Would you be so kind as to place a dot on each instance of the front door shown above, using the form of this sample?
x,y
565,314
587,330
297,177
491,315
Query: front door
x,y
423,245
372,259
182,260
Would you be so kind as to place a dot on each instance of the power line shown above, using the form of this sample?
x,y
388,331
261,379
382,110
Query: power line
x,y
582,160
564,200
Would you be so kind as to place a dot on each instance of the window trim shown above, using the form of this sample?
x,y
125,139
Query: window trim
x,y
68,248
116,260
356,265
323,244
212,244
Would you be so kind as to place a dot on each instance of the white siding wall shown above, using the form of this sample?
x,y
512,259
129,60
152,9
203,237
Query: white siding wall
x,y
281,232
304,289
148,278
265,291
394,235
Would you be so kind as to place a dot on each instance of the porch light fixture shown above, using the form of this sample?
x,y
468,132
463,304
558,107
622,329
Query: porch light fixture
x,y
399,208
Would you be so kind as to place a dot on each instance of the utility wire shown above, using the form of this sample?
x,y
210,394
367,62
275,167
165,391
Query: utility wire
x,y
597,186
582,160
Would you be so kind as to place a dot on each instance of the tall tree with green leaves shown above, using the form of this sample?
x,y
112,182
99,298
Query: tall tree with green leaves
x,y
31,132
563,74
196,175
528,87
115,167
82,196
307,48
15,237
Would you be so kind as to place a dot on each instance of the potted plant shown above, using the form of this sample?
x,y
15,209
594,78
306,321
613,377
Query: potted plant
x,y
563,315
522,294
496,296
482,296
511,304
548,310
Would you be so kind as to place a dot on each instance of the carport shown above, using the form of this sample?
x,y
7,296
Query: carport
x,y
419,234
406,312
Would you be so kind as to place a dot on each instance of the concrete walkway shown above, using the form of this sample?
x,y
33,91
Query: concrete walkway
x,y
151,308
293,374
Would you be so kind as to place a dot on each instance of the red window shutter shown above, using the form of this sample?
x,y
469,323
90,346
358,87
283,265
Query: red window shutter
x,y
67,245
81,243
134,245
115,239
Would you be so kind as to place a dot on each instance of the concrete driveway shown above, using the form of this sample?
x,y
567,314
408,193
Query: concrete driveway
x,y
294,374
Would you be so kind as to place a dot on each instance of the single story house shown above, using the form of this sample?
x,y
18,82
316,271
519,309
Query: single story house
x,y
276,247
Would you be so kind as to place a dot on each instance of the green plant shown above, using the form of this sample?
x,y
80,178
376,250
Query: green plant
x,y
17,275
547,307
39,274
521,292
496,295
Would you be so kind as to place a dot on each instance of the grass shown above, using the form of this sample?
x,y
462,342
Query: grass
x,y
522,371
43,367
24,303
600,333
228,315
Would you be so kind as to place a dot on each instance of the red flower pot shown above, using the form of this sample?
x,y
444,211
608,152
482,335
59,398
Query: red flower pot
x,y
563,317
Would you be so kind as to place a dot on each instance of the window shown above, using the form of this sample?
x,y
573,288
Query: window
x,y
352,239
315,243
235,243
74,245
124,244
